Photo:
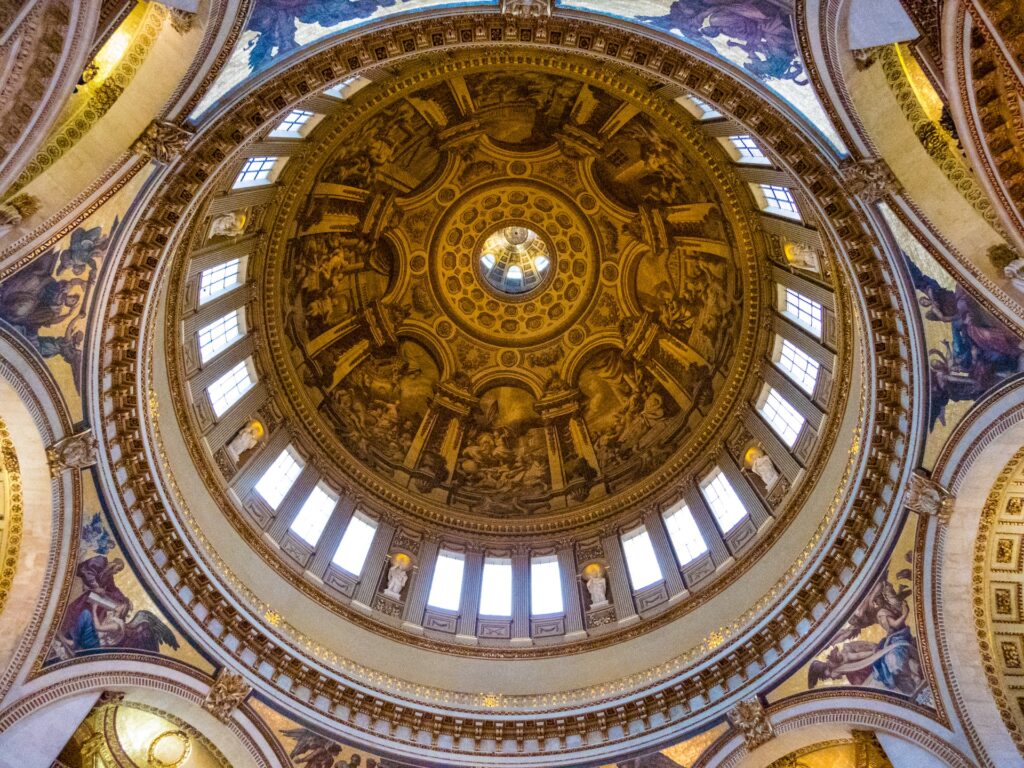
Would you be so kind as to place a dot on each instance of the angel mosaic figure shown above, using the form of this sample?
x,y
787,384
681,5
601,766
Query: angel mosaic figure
x,y
893,663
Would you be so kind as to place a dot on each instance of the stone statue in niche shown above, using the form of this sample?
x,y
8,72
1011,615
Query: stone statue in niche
x,y
597,585
247,438
757,461
802,256
229,224
398,575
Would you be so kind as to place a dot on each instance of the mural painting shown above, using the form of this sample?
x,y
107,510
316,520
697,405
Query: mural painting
x,y
378,407
308,749
377,321
754,35
108,609
970,351
48,300
878,647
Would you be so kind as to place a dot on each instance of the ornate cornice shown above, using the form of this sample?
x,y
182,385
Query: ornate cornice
x,y
693,692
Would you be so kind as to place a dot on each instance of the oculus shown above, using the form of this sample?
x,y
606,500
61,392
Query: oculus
x,y
514,259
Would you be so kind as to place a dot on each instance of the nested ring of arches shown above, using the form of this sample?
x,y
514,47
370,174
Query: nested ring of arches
x,y
126,409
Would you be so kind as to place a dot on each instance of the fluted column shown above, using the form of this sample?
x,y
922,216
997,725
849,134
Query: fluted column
x,y
520,597
469,604
618,579
260,463
292,502
655,525
331,537
376,560
751,501
420,591
707,525
571,593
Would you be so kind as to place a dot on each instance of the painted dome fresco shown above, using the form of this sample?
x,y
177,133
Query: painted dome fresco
x,y
511,294
412,383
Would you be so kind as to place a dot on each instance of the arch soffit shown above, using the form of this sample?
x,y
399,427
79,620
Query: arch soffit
x,y
969,465
39,394
166,685
812,717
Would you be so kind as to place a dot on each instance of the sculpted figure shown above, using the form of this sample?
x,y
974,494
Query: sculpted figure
x,y
762,466
398,575
802,256
248,437
597,585
228,224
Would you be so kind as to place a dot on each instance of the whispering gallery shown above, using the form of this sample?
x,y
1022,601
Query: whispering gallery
x,y
537,383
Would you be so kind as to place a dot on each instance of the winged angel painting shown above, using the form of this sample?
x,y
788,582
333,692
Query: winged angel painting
x,y
877,648
101,616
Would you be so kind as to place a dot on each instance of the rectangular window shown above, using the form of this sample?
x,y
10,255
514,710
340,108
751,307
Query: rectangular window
x,y
545,586
280,477
446,587
684,534
803,311
293,123
722,499
798,366
641,562
229,388
496,588
351,553
309,524
750,151
220,279
348,87
219,335
256,171
781,417
780,200
707,111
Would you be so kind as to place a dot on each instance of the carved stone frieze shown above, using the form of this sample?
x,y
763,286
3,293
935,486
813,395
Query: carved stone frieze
x,y
15,211
228,691
527,8
750,718
181,20
162,141
870,179
927,497
77,451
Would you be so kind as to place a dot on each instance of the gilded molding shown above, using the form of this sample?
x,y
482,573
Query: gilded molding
x,y
731,657
11,513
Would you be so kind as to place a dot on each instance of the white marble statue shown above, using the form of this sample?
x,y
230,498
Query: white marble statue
x,y
597,586
398,575
228,224
1014,272
248,437
803,256
762,466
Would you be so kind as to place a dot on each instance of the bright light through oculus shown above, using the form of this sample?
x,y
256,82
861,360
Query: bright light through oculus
x,y
514,259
